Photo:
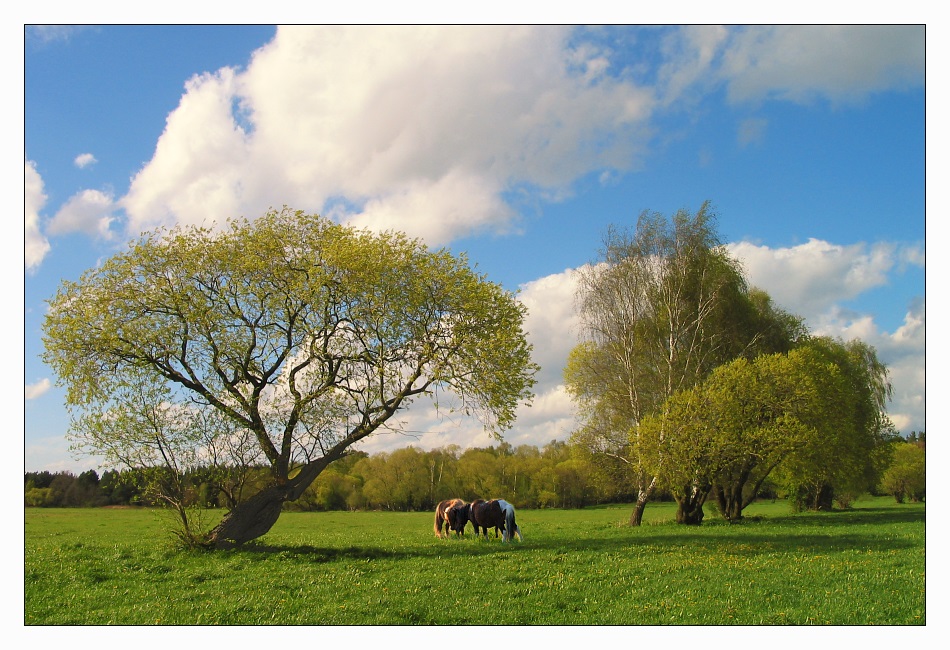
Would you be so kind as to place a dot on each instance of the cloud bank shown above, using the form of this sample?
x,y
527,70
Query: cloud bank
x,y
434,129
421,128
811,278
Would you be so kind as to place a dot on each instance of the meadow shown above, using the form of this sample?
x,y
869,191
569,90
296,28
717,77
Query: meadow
x,y
863,566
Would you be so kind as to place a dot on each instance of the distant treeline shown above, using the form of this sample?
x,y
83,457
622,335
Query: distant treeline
x,y
557,475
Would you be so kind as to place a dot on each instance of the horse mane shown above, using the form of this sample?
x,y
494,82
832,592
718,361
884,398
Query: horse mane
x,y
441,512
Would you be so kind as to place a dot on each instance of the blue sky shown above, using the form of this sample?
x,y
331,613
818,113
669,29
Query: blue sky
x,y
518,146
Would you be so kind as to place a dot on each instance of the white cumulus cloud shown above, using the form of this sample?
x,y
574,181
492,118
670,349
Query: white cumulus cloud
x,y
32,391
811,278
36,246
201,164
420,128
552,324
83,160
90,212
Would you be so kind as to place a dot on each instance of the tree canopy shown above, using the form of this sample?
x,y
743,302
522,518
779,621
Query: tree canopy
x,y
306,334
727,434
854,451
663,307
698,383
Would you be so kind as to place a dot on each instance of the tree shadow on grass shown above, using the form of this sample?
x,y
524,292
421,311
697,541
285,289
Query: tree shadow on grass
x,y
751,537
862,530
838,518
318,555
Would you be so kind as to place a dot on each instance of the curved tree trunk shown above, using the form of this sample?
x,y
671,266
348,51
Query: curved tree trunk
x,y
636,517
250,519
256,516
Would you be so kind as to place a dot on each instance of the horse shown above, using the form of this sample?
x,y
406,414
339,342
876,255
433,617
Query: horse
x,y
496,513
486,514
441,520
511,528
458,516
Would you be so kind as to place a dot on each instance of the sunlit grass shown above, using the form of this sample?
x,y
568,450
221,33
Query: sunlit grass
x,y
575,567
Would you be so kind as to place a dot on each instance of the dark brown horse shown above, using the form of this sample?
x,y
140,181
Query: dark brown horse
x,y
457,517
486,514
441,517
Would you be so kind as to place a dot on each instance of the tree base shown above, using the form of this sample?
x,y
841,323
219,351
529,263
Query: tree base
x,y
250,519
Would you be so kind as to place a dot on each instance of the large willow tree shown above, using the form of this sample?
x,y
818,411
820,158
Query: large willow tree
x,y
305,334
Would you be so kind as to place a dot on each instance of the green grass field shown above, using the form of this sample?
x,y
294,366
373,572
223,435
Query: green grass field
x,y
576,567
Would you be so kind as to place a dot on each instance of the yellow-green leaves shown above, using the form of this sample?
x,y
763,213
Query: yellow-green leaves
x,y
305,332
748,417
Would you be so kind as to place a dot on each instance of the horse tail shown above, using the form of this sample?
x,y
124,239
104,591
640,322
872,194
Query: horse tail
x,y
437,526
511,528
509,522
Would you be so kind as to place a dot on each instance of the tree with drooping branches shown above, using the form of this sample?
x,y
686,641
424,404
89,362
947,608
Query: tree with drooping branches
x,y
308,335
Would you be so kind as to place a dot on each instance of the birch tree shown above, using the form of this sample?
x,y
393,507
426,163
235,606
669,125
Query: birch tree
x,y
662,307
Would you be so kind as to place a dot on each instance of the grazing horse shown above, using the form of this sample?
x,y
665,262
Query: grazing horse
x,y
486,514
511,528
457,517
441,520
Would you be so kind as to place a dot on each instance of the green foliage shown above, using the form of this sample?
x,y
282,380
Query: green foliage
x,y
853,448
405,480
283,340
906,477
730,432
811,420
665,306
38,497
864,567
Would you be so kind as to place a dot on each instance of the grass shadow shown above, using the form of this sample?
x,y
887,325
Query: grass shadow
x,y
323,554
754,536
837,518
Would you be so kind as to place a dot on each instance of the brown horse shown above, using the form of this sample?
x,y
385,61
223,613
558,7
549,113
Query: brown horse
x,y
457,517
442,519
486,514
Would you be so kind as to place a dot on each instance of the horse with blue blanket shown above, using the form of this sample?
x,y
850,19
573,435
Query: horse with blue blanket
x,y
497,514
511,527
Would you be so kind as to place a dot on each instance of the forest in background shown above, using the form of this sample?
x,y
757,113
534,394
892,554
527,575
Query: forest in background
x,y
557,475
